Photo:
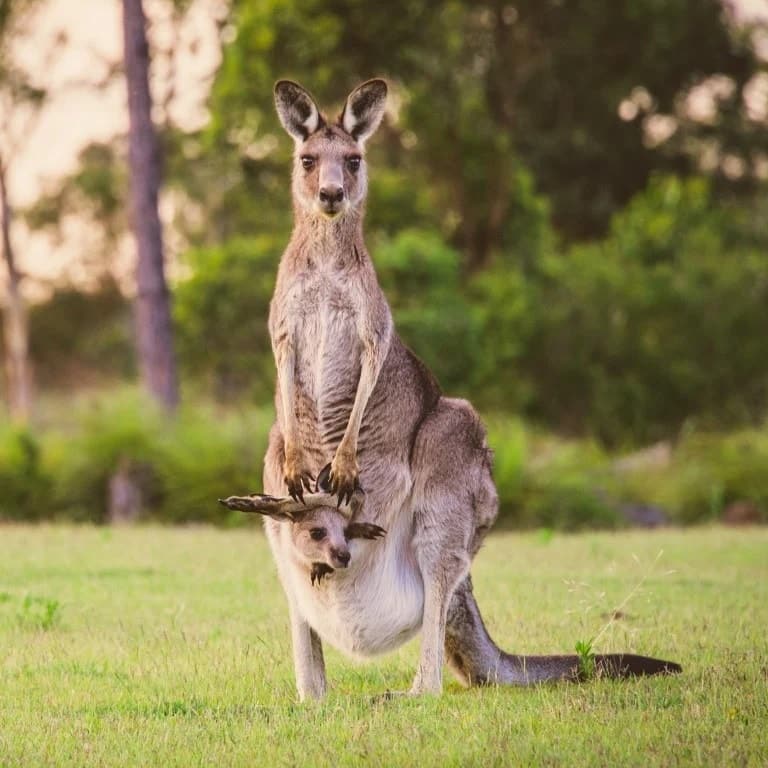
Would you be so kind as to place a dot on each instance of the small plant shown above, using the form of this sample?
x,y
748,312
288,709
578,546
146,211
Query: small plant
x,y
584,648
39,612
587,665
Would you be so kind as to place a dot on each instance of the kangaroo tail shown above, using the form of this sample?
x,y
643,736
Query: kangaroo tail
x,y
477,660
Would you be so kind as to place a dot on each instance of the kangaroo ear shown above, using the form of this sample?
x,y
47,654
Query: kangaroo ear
x,y
364,109
364,531
296,109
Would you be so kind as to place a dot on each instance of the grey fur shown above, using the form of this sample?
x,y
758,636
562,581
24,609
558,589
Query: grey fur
x,y
350,394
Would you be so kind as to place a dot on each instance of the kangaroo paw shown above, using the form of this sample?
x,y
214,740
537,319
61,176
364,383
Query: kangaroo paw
x,y
343,478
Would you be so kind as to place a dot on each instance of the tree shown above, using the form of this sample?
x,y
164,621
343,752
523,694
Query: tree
x,y
153,312
18,96
16,342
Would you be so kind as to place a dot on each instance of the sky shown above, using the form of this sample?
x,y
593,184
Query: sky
x,y
78,113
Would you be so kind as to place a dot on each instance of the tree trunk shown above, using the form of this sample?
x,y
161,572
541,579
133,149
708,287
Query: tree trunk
x,y
154,330
16,335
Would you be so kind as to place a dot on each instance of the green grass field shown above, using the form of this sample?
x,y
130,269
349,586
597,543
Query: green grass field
x,y
170,647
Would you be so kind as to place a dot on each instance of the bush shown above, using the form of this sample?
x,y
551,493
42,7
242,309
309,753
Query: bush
x,y
24,484
206,455
549,482
664,321
221,315
565,488
182,465
82,457
707,472
421,277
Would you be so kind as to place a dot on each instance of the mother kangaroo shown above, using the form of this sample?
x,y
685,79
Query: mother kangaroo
x,y
353,399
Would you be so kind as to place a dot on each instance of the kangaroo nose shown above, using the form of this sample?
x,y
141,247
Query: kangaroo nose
x,y
331,194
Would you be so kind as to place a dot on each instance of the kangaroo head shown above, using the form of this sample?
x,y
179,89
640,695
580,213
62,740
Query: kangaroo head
x,y
329,175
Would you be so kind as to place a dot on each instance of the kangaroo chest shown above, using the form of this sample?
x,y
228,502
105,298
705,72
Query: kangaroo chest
x,y
323,313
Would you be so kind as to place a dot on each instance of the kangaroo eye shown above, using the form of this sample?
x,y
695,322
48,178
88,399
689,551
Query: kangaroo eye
x,y
317,534
353,163
307,162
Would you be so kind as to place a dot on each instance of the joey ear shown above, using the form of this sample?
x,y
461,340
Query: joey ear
x,y
364,531
357,502
269,506
364,109
296,109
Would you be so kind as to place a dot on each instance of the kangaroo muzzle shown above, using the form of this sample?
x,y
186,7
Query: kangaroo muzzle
x,y
331,197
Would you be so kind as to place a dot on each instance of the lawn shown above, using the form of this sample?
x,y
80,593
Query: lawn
x,y
170,647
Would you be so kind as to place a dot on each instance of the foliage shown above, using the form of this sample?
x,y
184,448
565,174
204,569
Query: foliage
x,y
708,471
554,484
221,315
78,337
630,337
174,650
24,483
181,465
587,664
421,277
539,253
480,86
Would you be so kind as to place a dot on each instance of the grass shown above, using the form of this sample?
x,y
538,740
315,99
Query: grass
x,y
170,647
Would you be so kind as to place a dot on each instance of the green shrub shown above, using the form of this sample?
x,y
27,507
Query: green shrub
x,y
182,464
628,338
545,482
565,488
24,484
707,472
204,455
508,439
421,277
102,433
221,312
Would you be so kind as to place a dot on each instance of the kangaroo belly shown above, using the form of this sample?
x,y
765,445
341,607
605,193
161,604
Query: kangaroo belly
x,y
368,609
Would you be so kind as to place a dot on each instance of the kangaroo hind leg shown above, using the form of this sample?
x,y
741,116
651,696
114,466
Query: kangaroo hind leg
x,y
448,462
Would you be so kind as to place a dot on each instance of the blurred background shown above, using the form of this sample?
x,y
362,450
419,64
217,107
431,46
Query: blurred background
x,y
568,212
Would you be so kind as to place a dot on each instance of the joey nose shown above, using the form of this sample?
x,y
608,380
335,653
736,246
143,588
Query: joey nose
x,y
341,556
331,194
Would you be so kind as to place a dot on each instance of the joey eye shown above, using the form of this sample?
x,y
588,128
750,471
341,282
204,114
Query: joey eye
x,y
307,162
353,163
317,534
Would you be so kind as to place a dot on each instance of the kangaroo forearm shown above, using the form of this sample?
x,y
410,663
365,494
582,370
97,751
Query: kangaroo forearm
x,y
374,354
368,378
286,365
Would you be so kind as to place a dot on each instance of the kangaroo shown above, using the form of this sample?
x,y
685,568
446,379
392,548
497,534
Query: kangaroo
x,y
355,407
